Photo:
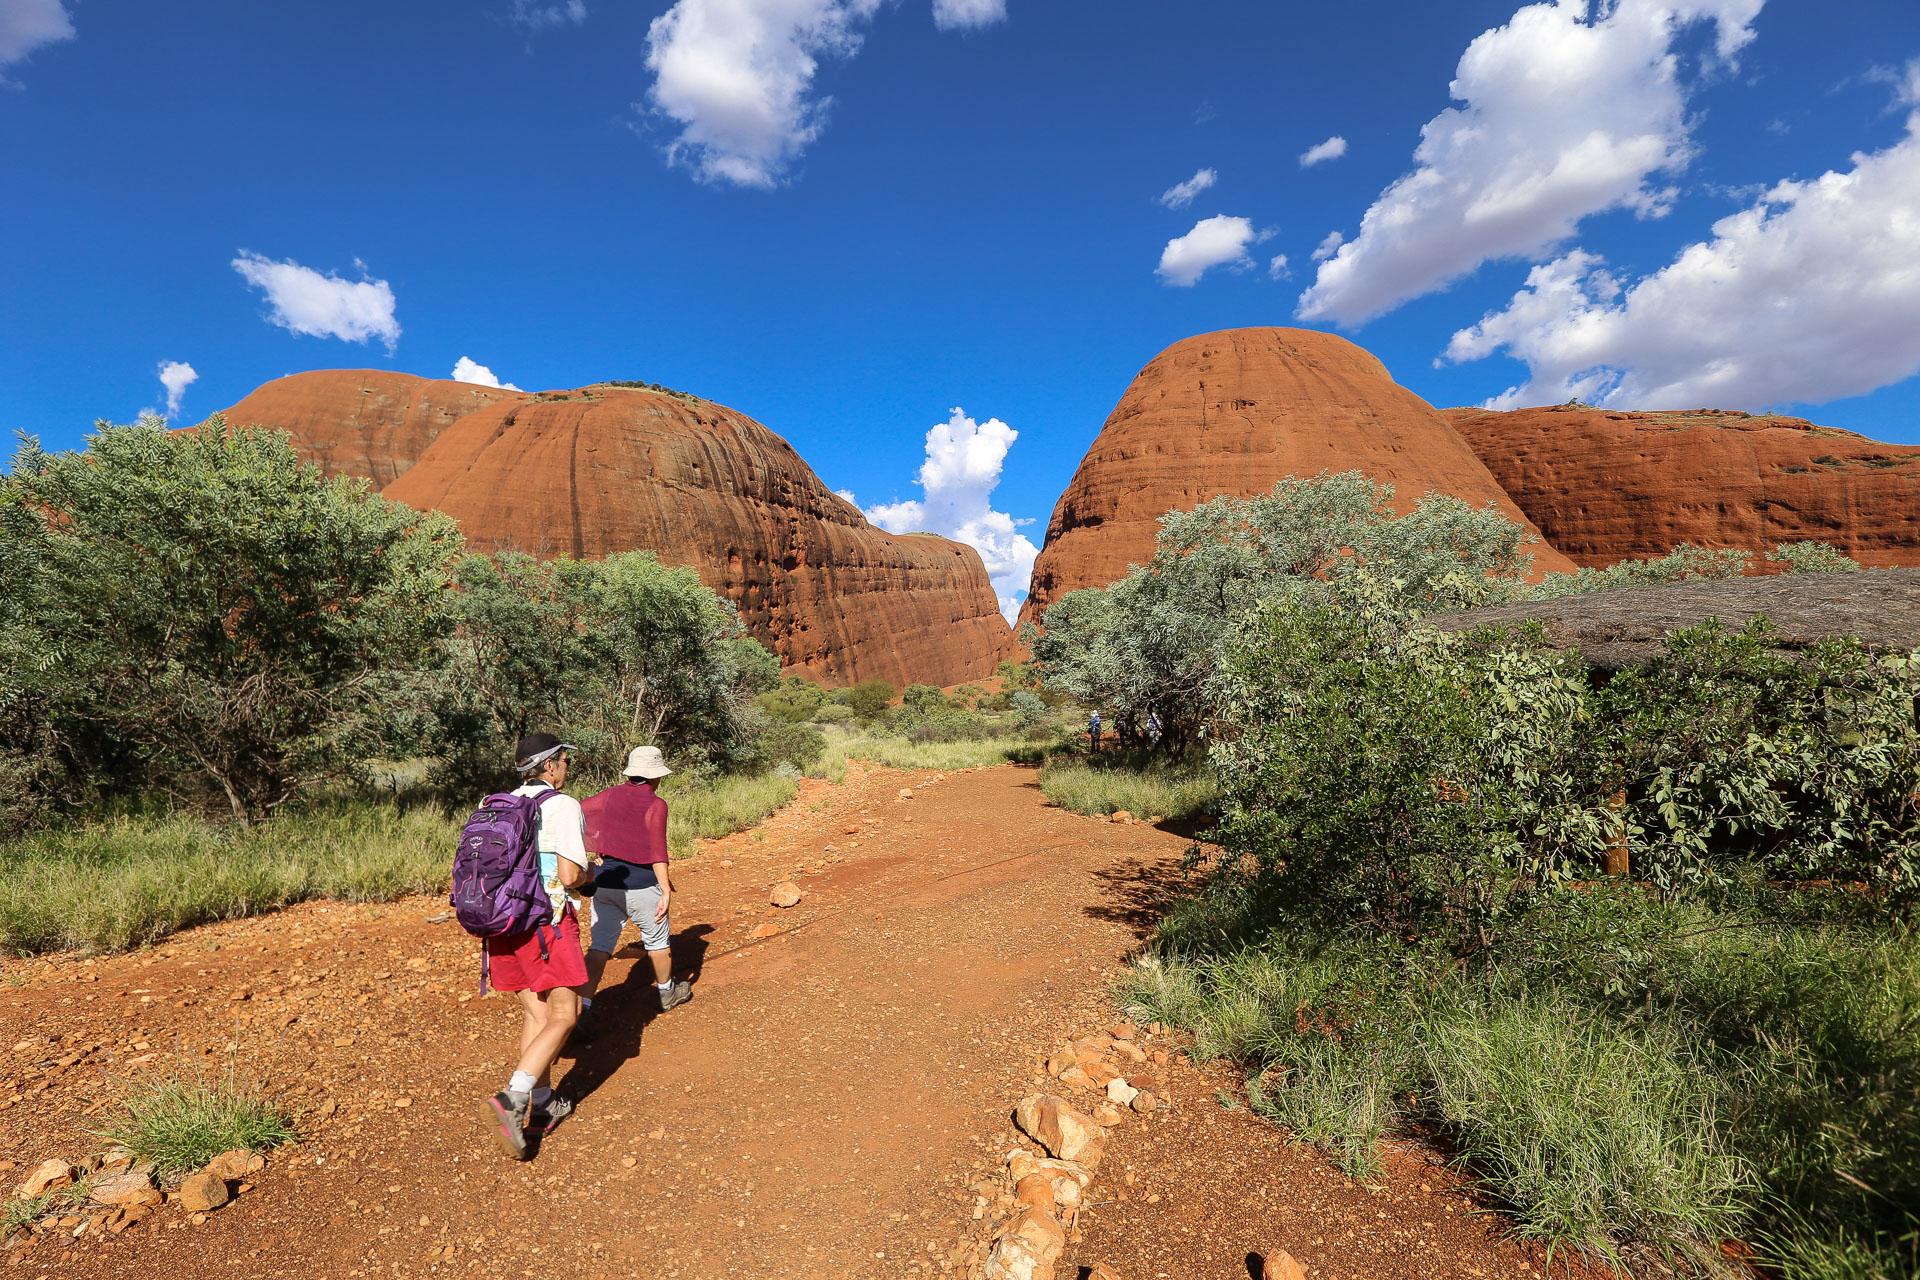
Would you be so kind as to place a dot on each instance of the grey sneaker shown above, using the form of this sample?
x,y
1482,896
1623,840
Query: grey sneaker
x,y
509,1122
542,1121
679,993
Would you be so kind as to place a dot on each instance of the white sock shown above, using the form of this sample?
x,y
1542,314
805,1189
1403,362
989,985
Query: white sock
x,y
586,1003
665,986
541,1096
521,1083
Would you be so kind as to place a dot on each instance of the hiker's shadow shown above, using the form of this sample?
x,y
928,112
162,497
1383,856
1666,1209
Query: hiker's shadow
x,y
623,1011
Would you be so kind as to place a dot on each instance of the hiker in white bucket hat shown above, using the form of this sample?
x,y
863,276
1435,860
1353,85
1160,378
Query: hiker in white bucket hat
x,y
627,827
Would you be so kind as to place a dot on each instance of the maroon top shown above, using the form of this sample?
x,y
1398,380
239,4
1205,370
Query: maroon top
x,y
627,822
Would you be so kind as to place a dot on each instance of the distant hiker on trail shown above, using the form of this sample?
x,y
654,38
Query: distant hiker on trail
x,y
1093,729
544,964
627,830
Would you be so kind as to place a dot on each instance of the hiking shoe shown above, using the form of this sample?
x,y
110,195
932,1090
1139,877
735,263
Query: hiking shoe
x,y
542,1121
509,1122
679,993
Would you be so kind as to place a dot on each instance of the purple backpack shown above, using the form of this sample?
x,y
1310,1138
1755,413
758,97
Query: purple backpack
x,y
497,890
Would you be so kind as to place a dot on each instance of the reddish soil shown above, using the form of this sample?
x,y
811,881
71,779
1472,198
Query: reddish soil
x,y
830,1104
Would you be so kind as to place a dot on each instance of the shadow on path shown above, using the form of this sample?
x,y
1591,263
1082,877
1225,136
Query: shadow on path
x,y
1137,893
622,1012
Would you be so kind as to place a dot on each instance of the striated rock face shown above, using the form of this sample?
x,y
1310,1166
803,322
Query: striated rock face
x,y
1232,413
608,469
1604,485
363,422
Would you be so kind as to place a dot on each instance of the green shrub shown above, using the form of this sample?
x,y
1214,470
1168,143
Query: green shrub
x,y
1812,557
1026,708
202,608
1683,562
1152,644
869,698
796,701
800,745
924,698
833,713
179,1124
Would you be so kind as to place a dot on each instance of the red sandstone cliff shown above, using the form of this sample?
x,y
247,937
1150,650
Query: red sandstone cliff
x,y
1232,413
607,469
1604,485
363,422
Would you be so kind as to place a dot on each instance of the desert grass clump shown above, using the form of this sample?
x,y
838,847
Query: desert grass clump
x,y
149,876
1594,1133
1175,791
179,1123
710,808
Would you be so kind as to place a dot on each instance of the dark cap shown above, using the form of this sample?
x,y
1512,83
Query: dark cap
x,y
536,749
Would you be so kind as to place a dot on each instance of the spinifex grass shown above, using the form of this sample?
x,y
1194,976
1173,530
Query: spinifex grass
x,y
896,752
1633,1076
180,1123
1168,791
132,880
720,806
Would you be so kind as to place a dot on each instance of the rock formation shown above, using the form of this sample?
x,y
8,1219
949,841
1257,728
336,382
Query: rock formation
x,y
607,468
1627,627
363,422
1232,413
1604,486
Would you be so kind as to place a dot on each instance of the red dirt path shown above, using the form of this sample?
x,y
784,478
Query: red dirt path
x,y
820,1109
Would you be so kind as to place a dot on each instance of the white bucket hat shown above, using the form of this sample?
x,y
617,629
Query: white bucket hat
x,y
646,762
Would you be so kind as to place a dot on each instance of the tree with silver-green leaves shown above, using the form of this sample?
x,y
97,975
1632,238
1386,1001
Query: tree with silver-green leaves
x,y
612,653
1150,645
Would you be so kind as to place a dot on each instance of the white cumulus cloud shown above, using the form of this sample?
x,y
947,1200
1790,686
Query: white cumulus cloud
x,y
964,460
959,15
1332,149
466,369
736,76
1277,268
322,306
1570,109
1181,194
25,25
540,14
1219,241
1329,246
1810,294
176,376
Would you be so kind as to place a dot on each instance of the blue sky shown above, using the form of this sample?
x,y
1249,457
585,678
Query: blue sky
x,y
847,217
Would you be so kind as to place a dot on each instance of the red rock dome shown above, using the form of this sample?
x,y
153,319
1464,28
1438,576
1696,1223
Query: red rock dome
x,y
363,422
1604,485
1233,413
606,468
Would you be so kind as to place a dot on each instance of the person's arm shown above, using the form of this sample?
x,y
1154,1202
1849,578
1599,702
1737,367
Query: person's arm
x,y
657,831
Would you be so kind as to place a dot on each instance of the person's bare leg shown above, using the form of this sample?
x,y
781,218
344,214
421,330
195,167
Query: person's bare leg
x,y
596,970
662,965
550,1018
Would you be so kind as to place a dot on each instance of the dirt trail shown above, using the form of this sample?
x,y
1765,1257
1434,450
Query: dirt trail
x,y
818,1110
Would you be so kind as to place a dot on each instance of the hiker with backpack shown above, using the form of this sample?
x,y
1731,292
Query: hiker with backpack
x,y
521,863
627,831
